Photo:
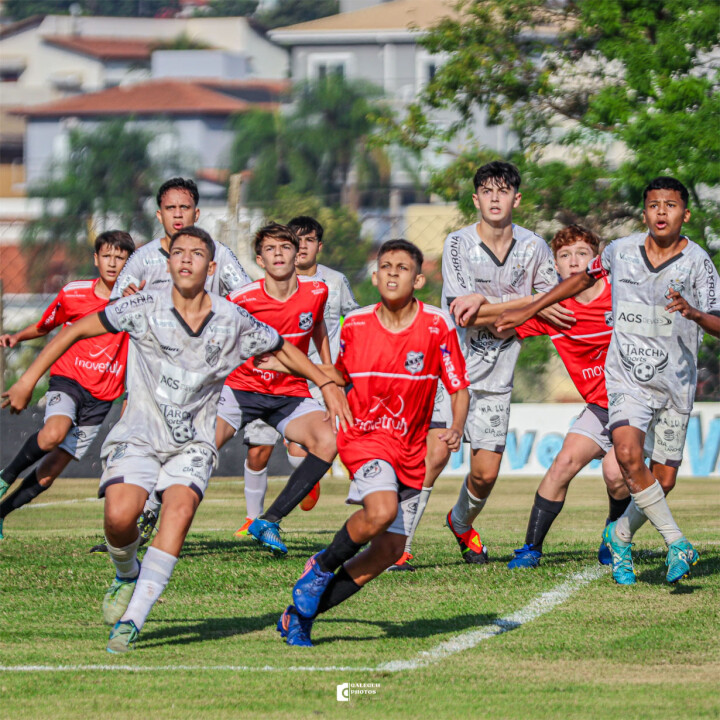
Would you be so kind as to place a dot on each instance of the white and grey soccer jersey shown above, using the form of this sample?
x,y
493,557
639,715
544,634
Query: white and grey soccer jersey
x,y
653,353
178,374
149,263
469,266
340,302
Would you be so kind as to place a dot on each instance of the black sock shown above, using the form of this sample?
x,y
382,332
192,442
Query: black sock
x,y
617,507
341,587
542,516
299,484
29,454
29,489
340,550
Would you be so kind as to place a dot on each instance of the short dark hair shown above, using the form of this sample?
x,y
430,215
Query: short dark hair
x,y
667,183
179,184
115,238
400,244
572,234
275,231
498,172
304,224
196,232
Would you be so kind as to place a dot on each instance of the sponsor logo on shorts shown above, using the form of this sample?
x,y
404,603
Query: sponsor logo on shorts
x,y
414,362
119,451
54,399
615,399
371,469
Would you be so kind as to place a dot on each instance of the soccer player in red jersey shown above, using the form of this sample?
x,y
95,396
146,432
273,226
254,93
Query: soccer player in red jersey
x,y
83,382
393,354
293,305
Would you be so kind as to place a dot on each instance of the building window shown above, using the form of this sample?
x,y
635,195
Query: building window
x,y
322,65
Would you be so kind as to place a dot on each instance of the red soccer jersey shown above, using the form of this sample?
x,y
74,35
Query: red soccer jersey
x,y
97,363
582,347
294,318
394,376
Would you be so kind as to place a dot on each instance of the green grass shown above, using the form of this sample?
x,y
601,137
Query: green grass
x,y
608,651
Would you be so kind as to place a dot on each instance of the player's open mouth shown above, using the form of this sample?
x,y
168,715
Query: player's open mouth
x,y
392,285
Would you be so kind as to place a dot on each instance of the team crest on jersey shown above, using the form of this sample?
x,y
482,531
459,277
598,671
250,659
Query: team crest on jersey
x,y
371,469
306,321
518,273
608,318
414,362
54,399
212,354
642,366
676,284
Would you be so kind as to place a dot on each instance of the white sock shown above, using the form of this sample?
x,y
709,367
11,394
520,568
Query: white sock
x,y
466,509
157,567
152,504
422,504
295,461
256,483
629,523
125,559
653,503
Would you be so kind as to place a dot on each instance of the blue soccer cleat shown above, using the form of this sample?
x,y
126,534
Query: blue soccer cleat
x,y
268,535
309,588
621,555
604,555
295,628
122,637
525,557
681,555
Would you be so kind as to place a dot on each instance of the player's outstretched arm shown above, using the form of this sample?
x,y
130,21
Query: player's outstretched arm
x,y
29,333
470,312
18,396
708,322
460,402
562,291
335,401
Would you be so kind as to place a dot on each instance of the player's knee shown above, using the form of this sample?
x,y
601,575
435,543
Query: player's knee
x,y
629,457
667,483
324,446
50,437
380,520
481,480
179,515
118,521
438,456
564,468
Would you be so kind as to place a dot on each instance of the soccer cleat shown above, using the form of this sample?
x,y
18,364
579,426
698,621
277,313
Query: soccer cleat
x,y
242,531
310,500
122,637
472,549
268,535
403,564
146,525
3,487
681,555
2,520
309,588
604,555
295,628
117,598
525,557
621,554
99,548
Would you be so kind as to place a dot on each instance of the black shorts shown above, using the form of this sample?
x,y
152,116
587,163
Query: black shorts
x,y
89,410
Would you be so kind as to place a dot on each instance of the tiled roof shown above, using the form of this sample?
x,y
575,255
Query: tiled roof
x,y
105,48
156,97
21,25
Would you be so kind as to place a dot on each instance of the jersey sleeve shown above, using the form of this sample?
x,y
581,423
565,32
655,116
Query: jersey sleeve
x,y
253,337
600,266
453,372
707,287
231,273
456,270
131,274
531,328
544,276
340,362
55,314
347,299
129,315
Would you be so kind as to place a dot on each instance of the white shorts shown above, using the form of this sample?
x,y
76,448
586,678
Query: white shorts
x,y
487,421
260,433
239,408
134,465
592,422
664,428
442,416
376,476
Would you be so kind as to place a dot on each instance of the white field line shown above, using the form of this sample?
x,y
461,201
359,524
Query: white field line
x,y
538,607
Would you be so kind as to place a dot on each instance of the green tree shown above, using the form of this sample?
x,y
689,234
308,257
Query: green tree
x,y
622,74
228,8
21,9
290,12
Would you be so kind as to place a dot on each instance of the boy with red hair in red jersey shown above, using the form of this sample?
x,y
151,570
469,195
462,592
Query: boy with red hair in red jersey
x,y
393,354
83,382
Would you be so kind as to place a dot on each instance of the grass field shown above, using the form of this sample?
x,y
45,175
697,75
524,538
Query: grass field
x,y
448,641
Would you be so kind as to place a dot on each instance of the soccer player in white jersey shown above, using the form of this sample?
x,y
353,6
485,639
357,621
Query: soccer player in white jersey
x,y
502,262
147,268
664,295
188,340
259,436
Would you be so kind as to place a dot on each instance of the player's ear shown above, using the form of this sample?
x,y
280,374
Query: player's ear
x,y
259,261
374,278
517,199
476,201
158,216
419,281
95,259
211,268
197,214
686,215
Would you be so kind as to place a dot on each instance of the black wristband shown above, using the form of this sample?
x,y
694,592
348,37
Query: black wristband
x,y
329,382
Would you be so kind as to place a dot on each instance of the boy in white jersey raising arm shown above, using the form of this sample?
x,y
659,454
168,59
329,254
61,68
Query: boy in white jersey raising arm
x,y
260,437
188,340
393,354
664,294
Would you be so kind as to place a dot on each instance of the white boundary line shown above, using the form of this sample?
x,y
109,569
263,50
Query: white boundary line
x,y
538,607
